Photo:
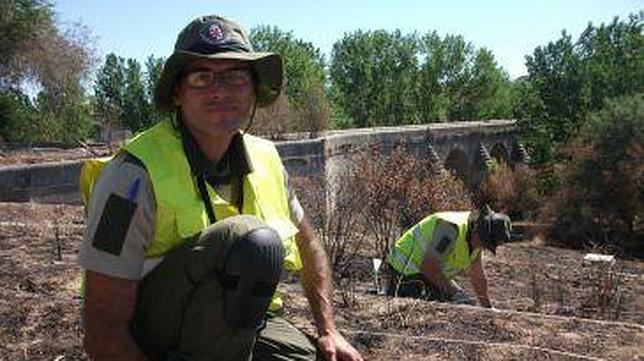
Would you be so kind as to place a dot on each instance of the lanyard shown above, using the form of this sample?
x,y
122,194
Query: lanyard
x,y
190,149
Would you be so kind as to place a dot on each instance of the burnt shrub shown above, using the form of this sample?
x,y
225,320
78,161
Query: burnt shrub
x,y
360,211
397,190
601,198
274,120
339,227
511,190
310,115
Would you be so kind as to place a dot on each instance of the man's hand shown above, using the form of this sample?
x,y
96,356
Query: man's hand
x,y
479,282
336,348
461,297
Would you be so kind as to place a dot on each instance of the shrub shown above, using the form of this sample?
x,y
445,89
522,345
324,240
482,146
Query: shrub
x,y
512,191
274,120
364,209
399,190
601,200
17,117
339,227
313,112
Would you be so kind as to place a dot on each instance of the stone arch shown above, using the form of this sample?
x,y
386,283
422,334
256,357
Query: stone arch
x,y
500,154
457,163
519,154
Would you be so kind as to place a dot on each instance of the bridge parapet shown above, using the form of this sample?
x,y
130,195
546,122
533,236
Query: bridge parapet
x,y
455,146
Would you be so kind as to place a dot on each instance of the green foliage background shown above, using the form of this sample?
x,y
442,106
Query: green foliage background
x,y
601,200
36,54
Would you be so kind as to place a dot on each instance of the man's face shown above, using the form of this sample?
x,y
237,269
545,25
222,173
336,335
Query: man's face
x,y
215,97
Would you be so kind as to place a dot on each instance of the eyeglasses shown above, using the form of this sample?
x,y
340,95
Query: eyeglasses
x,y
233,78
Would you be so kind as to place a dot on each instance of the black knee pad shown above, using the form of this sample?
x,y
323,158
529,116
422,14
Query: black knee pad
x,y
252,270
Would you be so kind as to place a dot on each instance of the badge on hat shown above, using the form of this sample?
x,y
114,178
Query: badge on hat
x,y
213,33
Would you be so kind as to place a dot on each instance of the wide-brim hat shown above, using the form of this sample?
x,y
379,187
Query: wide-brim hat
x,y
214,37
494,228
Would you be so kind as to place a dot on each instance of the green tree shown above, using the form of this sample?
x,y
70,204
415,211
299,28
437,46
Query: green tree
x,y
529,110
375,74
351,76
556,73
458,82
20,21
489,88
601,200
109,89
124,93
153,70
303,63
135,102
433,101
17,115
386,78
53,61
614,58
573,79
455,76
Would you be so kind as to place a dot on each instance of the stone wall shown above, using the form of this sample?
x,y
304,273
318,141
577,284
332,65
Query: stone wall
x,y
461,146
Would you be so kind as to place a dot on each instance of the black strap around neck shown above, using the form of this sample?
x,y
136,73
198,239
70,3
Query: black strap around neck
x,y
201,184
189,148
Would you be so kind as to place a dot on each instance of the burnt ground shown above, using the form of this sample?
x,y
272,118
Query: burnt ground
x,y
548,304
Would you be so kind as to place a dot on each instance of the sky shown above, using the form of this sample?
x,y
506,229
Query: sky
x,y
511,29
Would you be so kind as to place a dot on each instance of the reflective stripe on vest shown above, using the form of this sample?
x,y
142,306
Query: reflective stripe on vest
x,y
408,266
408,252
180,212
420,237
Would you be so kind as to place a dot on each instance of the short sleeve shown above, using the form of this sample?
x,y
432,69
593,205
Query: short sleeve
x,y
120,220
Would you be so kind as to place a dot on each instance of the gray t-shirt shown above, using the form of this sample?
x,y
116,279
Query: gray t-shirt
x,y
121,219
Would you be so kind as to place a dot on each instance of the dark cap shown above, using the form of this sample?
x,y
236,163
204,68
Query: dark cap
x,y
494,228
214,37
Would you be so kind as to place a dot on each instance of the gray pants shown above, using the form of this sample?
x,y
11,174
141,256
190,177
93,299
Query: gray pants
x,y
180,307
280,340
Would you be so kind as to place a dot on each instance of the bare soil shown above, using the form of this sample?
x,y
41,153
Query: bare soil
x,y
547,303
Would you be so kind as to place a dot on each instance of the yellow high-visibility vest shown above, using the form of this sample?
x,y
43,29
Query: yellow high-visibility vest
x,y
408,252
180,211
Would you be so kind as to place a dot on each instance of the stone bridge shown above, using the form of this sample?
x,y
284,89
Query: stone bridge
x,y
466,148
